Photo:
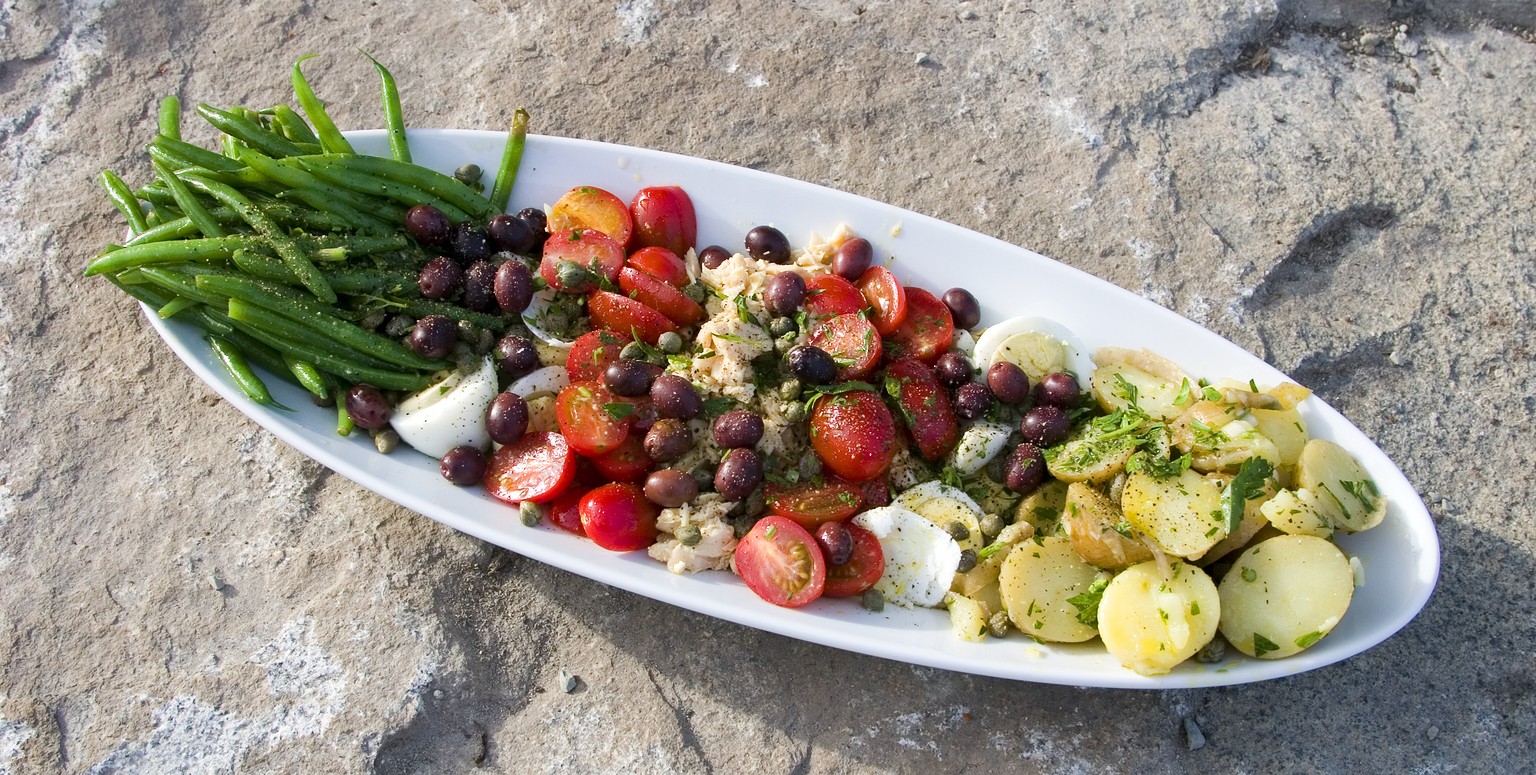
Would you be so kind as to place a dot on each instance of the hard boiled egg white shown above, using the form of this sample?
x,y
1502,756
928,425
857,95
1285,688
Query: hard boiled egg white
x,y
450,413
994,344
920,557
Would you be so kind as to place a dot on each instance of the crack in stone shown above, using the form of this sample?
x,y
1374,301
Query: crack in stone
x,y
685,724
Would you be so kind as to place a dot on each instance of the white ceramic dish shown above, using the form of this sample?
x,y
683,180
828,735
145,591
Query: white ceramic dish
x,y
1401,558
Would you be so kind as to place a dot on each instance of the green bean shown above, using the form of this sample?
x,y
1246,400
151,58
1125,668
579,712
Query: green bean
x,y
249,132
344,422
263,268
176,228
292,125
294,176
308,376
394,118
183,285
242,374
420,308
253,315
215,321
170,117
322,319
374,282
231,146
243,178
330,137
265,326
421,178
355,218
286,248
188,203
199,250
364,183
200,157
124,200
511,159
178,304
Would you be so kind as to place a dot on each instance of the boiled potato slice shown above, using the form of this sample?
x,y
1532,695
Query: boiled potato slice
x,y
1115,385
1284,595
1090,521
1343,490
1152,623
1296,512
1253,521
967,618
541,414
1289,394
1219,438
944,505
1037,581
1181,514
1042,508
974,582
1286,429
1086,457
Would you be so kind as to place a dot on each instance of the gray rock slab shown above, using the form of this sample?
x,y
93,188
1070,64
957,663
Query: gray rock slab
x,y
1344,190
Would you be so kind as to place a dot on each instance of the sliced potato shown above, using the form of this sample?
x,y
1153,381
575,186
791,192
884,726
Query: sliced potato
x,y
1286,429
1090,520
944,505
1284,595
967,618
989,564
1152,623
1042,508
992,496
1344,492
541,414
1253,521
1037,581
1086,457
1181,514
1116,384
1289,394
1296,512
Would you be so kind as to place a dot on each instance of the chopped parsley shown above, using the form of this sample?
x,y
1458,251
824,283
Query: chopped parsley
x,y
1263,645
1087,604
1308,639
1247,485
1206,436
743,313
1125,389
619,410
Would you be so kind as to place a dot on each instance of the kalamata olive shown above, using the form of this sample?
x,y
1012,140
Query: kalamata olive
x,y
506,419
953,369
811,364
367,407
836,542
510,233
440,278
670,488
480,287
629,378
1025,469
676,397
434,336
737,428
1008,382
428,225
463,465
853,258
516,355
668,440
740,472
972,400
513,286
963,307
784,294
470,243
537,221
766,243
713,256
1045,425
1059,389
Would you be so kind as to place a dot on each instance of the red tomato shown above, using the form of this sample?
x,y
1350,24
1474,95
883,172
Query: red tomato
x,y
660,296
781,562
621,313
627,463
591,354
828,294
585,421
929,329
854,434
812,503
852,342
586,248
536,467
588,207
618,517
924,405
862,570
664,217
563,512
661,264
886,298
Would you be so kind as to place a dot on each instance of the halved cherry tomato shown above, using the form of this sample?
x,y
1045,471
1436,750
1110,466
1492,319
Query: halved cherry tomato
x,y
828,294
563,512
876,493
660,296
621,313
586,248
812,503
924,405
618,517
582,410
536,467
854,434
664,217
852,342
862,570
887,299
781,562
661,264
589,207
591,354
627,463
929,329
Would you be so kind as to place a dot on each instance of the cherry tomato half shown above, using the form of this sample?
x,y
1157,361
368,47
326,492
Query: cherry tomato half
x,y
853,434
591,354
664,217
618,517
536,467
924,406
863,568
586,248
781,562
812,503
626,463
852,342
661,264
929,329
621,313
660,296
563,512
589,207
886,298
828,294
583,410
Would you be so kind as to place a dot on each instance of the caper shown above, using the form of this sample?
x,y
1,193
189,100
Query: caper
x,y
784,343
634,351
991,525
326,400
967,561
757,504
781,327
399,325
794,412
385,440
873,600
789,389
530,513
695,291
958,531
468,174
670,342
688,535
573,277
373,319
998,624
1212,652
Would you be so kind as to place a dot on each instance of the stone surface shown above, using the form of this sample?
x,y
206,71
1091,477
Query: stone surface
x,y
1344,190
